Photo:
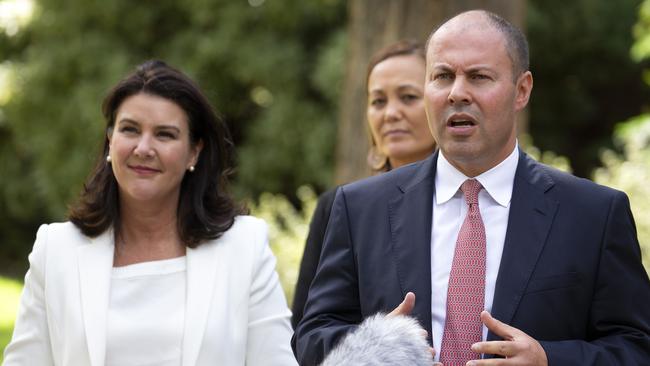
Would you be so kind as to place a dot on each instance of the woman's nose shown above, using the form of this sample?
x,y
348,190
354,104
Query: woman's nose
x,y
393,111
144,148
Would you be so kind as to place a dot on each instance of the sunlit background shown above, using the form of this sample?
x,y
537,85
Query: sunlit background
x,y
275,69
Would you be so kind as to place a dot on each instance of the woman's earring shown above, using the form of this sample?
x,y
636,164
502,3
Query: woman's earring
x,y
376,159
191,168
108,159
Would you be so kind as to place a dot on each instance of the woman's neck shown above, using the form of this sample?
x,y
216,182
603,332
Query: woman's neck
x,y
147,233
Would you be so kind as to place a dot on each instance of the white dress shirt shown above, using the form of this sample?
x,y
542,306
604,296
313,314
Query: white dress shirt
x,y
449,211
146,314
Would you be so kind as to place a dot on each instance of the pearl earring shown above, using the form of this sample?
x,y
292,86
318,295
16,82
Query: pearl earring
x,y
191,169
108,159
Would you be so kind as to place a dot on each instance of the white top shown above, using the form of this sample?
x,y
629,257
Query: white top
x,y
235,311
449,211
146,314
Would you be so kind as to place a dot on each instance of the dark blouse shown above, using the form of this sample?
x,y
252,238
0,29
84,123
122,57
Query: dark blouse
x,y
311,255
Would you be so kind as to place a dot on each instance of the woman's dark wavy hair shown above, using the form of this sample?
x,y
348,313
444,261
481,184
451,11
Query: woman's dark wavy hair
x,y
205,209
405,47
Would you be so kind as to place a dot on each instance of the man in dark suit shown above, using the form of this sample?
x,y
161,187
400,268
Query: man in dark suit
x,y
553,257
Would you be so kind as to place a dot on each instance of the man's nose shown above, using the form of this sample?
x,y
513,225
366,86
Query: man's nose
x,y
459,92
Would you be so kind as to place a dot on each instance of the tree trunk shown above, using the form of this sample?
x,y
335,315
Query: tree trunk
x,y
372,25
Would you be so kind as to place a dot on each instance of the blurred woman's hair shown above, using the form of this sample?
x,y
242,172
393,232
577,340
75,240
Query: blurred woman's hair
x,y
205,208
378,162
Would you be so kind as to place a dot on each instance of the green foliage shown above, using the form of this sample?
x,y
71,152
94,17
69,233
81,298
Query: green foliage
x,y
547,157
10,295
584,78
630,172
288,228
641,49
272,69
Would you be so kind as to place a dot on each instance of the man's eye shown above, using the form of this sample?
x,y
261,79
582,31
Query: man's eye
x,y
443,76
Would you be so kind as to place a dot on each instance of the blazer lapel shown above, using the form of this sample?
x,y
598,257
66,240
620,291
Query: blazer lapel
x,y
530,219
410,229
202,265
95,264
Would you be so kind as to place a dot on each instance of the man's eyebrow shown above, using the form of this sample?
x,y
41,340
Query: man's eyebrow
x,y
478,68
441,67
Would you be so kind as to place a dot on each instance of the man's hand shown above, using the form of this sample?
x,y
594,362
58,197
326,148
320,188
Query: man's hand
x,y
518,348
405,307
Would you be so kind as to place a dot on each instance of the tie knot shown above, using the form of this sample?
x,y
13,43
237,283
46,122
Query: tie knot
x,y
470,188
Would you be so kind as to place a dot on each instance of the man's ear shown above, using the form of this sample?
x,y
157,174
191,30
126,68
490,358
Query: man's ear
x,y
524,88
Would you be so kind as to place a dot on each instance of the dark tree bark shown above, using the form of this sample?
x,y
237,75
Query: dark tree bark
x,y
372,25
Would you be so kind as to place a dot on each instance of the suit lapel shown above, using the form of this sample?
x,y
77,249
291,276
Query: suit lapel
x,y
95,264
529,222
202,265
410,229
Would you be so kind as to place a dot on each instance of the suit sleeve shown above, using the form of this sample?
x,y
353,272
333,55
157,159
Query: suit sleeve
x,y
30,344
269,331
332,307
311,255
619,327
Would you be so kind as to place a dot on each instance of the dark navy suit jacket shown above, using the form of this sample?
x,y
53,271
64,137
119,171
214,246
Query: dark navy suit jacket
x,y
570,273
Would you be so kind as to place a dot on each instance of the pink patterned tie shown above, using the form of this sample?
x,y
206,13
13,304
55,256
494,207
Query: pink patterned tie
x,y
465,296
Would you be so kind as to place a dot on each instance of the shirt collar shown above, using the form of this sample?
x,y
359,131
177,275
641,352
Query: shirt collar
x,y
498,181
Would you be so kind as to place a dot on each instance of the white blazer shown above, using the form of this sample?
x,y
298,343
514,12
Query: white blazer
x,y
236,313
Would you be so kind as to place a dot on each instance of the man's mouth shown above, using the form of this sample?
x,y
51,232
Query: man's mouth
x,y
461,123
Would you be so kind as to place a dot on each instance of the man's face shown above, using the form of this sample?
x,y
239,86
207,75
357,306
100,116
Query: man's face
x,y
471,96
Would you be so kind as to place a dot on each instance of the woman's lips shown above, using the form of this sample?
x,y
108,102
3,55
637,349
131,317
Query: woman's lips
x,y
143,169
395,133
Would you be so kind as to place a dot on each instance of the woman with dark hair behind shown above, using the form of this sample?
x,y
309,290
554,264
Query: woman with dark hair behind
x,y
399,135
157,265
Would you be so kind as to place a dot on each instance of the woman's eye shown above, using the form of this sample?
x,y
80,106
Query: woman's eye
x,y
407,98
377,102
128,129
166,135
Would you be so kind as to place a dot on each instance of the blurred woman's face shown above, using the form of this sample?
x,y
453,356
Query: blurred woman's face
x,y
150,149
396,115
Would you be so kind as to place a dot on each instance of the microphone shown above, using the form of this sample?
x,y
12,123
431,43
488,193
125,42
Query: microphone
x,y
381,340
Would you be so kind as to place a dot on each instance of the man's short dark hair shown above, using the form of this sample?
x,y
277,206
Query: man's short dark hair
x,y
516,43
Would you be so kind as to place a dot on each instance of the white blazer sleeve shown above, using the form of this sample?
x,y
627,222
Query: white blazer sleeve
x,y
269,330
30,344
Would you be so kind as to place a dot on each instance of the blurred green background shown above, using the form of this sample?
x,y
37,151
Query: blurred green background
x,y
274,70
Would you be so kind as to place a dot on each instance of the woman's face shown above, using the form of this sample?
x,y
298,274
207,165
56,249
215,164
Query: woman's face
x,y
396,115
150,149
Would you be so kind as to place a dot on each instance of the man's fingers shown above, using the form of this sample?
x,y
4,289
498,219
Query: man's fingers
x,y
501,329
518,347
502,348
406,307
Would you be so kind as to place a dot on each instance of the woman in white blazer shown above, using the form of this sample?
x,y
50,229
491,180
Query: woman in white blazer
x,y
156,266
